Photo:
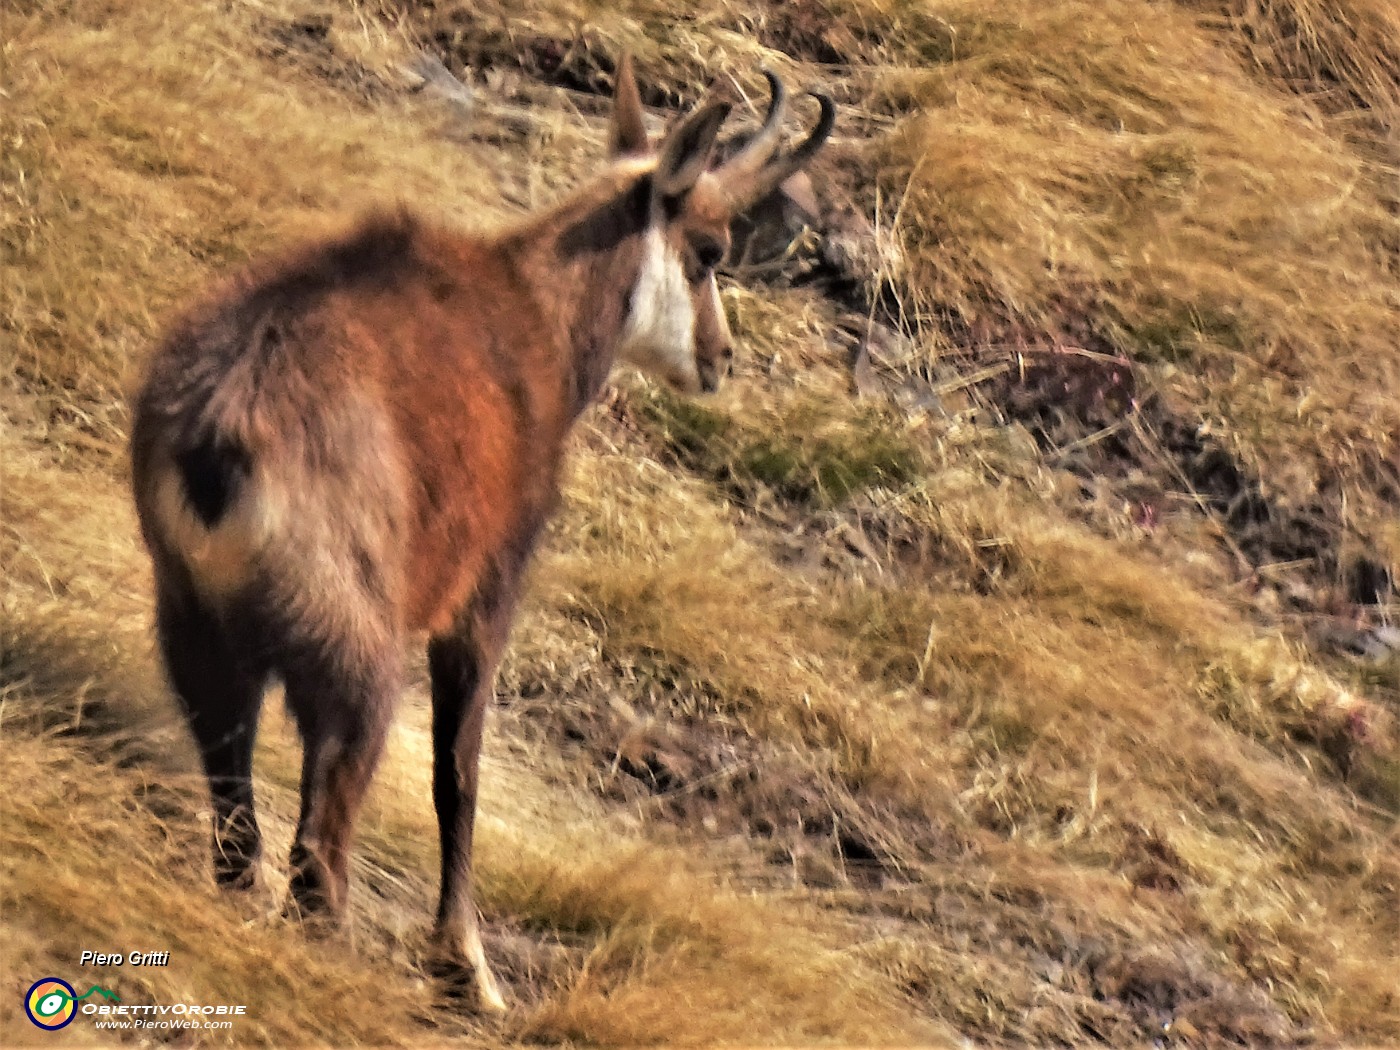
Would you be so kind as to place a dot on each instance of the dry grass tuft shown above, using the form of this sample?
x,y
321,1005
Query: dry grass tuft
x,y
1062,179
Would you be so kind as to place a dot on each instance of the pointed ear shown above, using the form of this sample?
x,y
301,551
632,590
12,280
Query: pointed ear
x,y
686,152
627,136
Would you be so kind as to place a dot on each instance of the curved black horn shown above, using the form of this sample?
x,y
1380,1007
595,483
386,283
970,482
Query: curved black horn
x,y
758,151
805,152
776,170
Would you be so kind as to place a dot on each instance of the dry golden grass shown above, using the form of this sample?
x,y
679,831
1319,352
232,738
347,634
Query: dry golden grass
x,y
1110,173
826,721
1089,703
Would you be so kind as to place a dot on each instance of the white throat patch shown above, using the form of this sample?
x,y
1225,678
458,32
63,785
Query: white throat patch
x,y
659,334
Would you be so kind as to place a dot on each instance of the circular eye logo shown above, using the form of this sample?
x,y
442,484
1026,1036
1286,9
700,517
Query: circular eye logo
x,y
50,1003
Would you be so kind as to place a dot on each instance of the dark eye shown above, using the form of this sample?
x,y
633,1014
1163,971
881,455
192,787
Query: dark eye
x,y
708,252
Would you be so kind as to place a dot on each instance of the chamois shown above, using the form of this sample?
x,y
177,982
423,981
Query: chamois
x,y
359,441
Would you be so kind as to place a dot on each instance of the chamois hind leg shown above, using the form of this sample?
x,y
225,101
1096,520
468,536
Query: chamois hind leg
x,y
463,667
343,706
221,695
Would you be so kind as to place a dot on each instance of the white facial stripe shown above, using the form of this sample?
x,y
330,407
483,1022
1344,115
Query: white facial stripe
x,y
659,334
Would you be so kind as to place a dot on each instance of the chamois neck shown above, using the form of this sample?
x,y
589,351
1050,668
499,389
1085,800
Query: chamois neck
x,y
582,259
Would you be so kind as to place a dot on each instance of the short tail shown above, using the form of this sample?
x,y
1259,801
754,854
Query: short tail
x,y
209,507
213,473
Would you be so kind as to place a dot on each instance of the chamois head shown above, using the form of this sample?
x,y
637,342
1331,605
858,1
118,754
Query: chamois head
x,y
676,328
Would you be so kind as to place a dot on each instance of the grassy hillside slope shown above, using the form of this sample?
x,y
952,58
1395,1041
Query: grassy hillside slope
x,y
1002,702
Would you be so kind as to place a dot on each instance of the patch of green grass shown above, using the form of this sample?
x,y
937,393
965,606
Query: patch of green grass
x,y
802,452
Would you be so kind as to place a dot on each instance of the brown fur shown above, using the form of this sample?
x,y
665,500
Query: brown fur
x,y
360,441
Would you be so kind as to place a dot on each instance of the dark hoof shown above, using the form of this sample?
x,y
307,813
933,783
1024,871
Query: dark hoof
x,y
314,892
237,870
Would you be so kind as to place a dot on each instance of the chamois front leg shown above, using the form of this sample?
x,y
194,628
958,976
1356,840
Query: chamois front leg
x,y
463,667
